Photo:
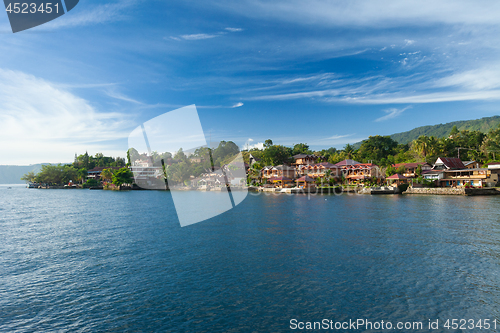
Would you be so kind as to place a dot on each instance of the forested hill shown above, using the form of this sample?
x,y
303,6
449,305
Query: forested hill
x,y
443,130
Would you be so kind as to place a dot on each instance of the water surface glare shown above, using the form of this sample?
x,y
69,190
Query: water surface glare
x,y
80,260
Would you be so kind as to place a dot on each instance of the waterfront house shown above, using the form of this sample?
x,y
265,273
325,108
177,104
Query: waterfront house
x,y
320,170
95,173
305,159
471,164
477,177
448,163
305,182
278,171
411,168
361,172
397,179
433,175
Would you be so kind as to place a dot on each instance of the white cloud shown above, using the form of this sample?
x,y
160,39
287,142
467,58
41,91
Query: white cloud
x,y
392,113
384,13
234,29
250,145
198,36
40,122
409,42
237,105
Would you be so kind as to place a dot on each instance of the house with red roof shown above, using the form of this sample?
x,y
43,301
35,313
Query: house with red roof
x,y
411,168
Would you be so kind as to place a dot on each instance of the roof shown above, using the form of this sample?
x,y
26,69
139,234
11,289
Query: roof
x,y
347,162
451,162
283,167
304,179
99,169
466,163
305,156
397,176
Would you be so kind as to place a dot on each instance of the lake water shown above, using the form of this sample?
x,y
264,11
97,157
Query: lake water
x,y
83,260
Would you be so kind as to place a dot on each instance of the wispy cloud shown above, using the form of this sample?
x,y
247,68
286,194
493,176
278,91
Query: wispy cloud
x,y
237,105
41,122
202,36
392,113
198,36
94,14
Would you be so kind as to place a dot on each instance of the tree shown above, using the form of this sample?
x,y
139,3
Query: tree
x,y
390,171
454,131
29,177
122,176
107,174
376,148
276,155
401,169
301,148
268,143
349,150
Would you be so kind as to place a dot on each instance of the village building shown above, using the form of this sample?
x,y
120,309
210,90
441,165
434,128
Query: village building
x,y
471,164
95,173
411,168
278,171
362,172
347,162
305,159
320,170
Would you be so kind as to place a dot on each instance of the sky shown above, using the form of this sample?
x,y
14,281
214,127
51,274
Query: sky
x,y
325,73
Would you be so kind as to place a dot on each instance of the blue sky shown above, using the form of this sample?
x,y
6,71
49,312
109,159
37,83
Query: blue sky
x,y
325,73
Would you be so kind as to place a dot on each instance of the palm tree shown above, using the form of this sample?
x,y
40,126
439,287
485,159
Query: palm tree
x,y
421,146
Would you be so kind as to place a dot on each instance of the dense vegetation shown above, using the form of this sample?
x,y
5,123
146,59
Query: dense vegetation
x,y
381,150
385,151
77,171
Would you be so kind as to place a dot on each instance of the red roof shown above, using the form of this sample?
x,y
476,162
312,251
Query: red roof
x,y
397,176
452,162
305,179
347,162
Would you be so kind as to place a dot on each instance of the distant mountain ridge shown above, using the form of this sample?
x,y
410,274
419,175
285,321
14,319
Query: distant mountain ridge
x,y
11,174
443,130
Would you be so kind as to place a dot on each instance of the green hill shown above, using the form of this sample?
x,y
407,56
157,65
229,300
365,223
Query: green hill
x,y
443,130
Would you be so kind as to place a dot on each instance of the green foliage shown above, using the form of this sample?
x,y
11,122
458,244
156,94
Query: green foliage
x,y
56,174
276,155
88,162
376,148
122,176
390,171
301,148
29,177
401,169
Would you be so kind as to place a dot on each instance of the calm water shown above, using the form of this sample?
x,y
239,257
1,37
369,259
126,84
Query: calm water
x,y
92,261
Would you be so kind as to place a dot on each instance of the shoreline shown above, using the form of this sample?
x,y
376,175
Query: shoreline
x,y
326,190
